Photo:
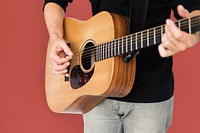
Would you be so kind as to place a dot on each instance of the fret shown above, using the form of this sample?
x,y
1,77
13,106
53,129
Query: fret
x,y
100,52
195,24
141,39
185,26
179,24
154,35
158,35
136,41
96,54
147,38
115,48
151,37
103,51
131,43
161,33
118,47
109,49
189,25
106,54
106,50
126,44
121,49
144,38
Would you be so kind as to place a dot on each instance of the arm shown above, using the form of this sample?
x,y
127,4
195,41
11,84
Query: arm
x,y
175,40
54,16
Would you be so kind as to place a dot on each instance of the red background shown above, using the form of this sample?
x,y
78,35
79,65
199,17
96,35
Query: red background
x,y
23,42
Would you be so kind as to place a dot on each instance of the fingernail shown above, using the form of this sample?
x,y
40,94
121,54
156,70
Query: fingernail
x,y
70,53
168,22
67,74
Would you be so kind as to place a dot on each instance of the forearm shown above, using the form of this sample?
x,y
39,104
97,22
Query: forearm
x,y
54,16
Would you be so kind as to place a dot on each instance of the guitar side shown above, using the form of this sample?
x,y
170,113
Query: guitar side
x,y
111,77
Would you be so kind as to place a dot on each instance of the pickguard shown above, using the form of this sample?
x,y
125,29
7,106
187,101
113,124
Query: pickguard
x,y
78,78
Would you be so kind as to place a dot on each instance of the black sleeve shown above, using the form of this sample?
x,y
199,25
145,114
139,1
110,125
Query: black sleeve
x,y
61,3
190,5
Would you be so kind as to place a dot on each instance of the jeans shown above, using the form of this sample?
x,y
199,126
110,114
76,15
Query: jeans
x,y
112,116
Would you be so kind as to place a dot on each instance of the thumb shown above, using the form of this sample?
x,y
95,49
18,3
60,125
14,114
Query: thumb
x,y
183,12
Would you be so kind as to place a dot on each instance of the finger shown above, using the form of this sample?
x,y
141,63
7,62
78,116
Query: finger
x,y
179,45
54,57
60,67
197,37
58,49
67,74
167,44
164,52
178,34
172,28
60,72
182,11
67,50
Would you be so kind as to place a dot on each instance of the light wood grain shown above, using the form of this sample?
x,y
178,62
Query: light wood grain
x,y
111,78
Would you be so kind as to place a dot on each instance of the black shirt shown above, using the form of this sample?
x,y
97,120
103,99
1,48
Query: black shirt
x,y
154,81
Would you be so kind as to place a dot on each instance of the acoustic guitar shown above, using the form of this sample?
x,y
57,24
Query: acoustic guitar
x,y
97,69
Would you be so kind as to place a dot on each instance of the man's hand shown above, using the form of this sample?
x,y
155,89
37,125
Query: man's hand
x,y
60,62
174,40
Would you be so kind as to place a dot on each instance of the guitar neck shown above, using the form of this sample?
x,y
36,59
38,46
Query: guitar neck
x,y
142,39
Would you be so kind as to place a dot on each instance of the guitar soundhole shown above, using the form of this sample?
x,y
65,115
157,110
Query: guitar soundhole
x,y
87,56
78,78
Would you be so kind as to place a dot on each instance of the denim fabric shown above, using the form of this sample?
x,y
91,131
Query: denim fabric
x,y
112,116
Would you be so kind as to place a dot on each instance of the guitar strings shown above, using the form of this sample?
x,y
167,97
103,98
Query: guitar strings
x,y
139,35
184,22
87,60
122,41
144,39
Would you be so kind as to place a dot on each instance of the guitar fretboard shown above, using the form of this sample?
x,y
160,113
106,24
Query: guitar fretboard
x,y
143,39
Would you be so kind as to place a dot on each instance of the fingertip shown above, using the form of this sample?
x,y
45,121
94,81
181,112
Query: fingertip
x,y
169,22
180,7
67,74
70,53
182,11
162,50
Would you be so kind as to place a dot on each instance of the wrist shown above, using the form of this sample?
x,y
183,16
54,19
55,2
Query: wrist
x,y
55,36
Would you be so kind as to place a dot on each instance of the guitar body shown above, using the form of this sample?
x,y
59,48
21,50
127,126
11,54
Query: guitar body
x,y
87,86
